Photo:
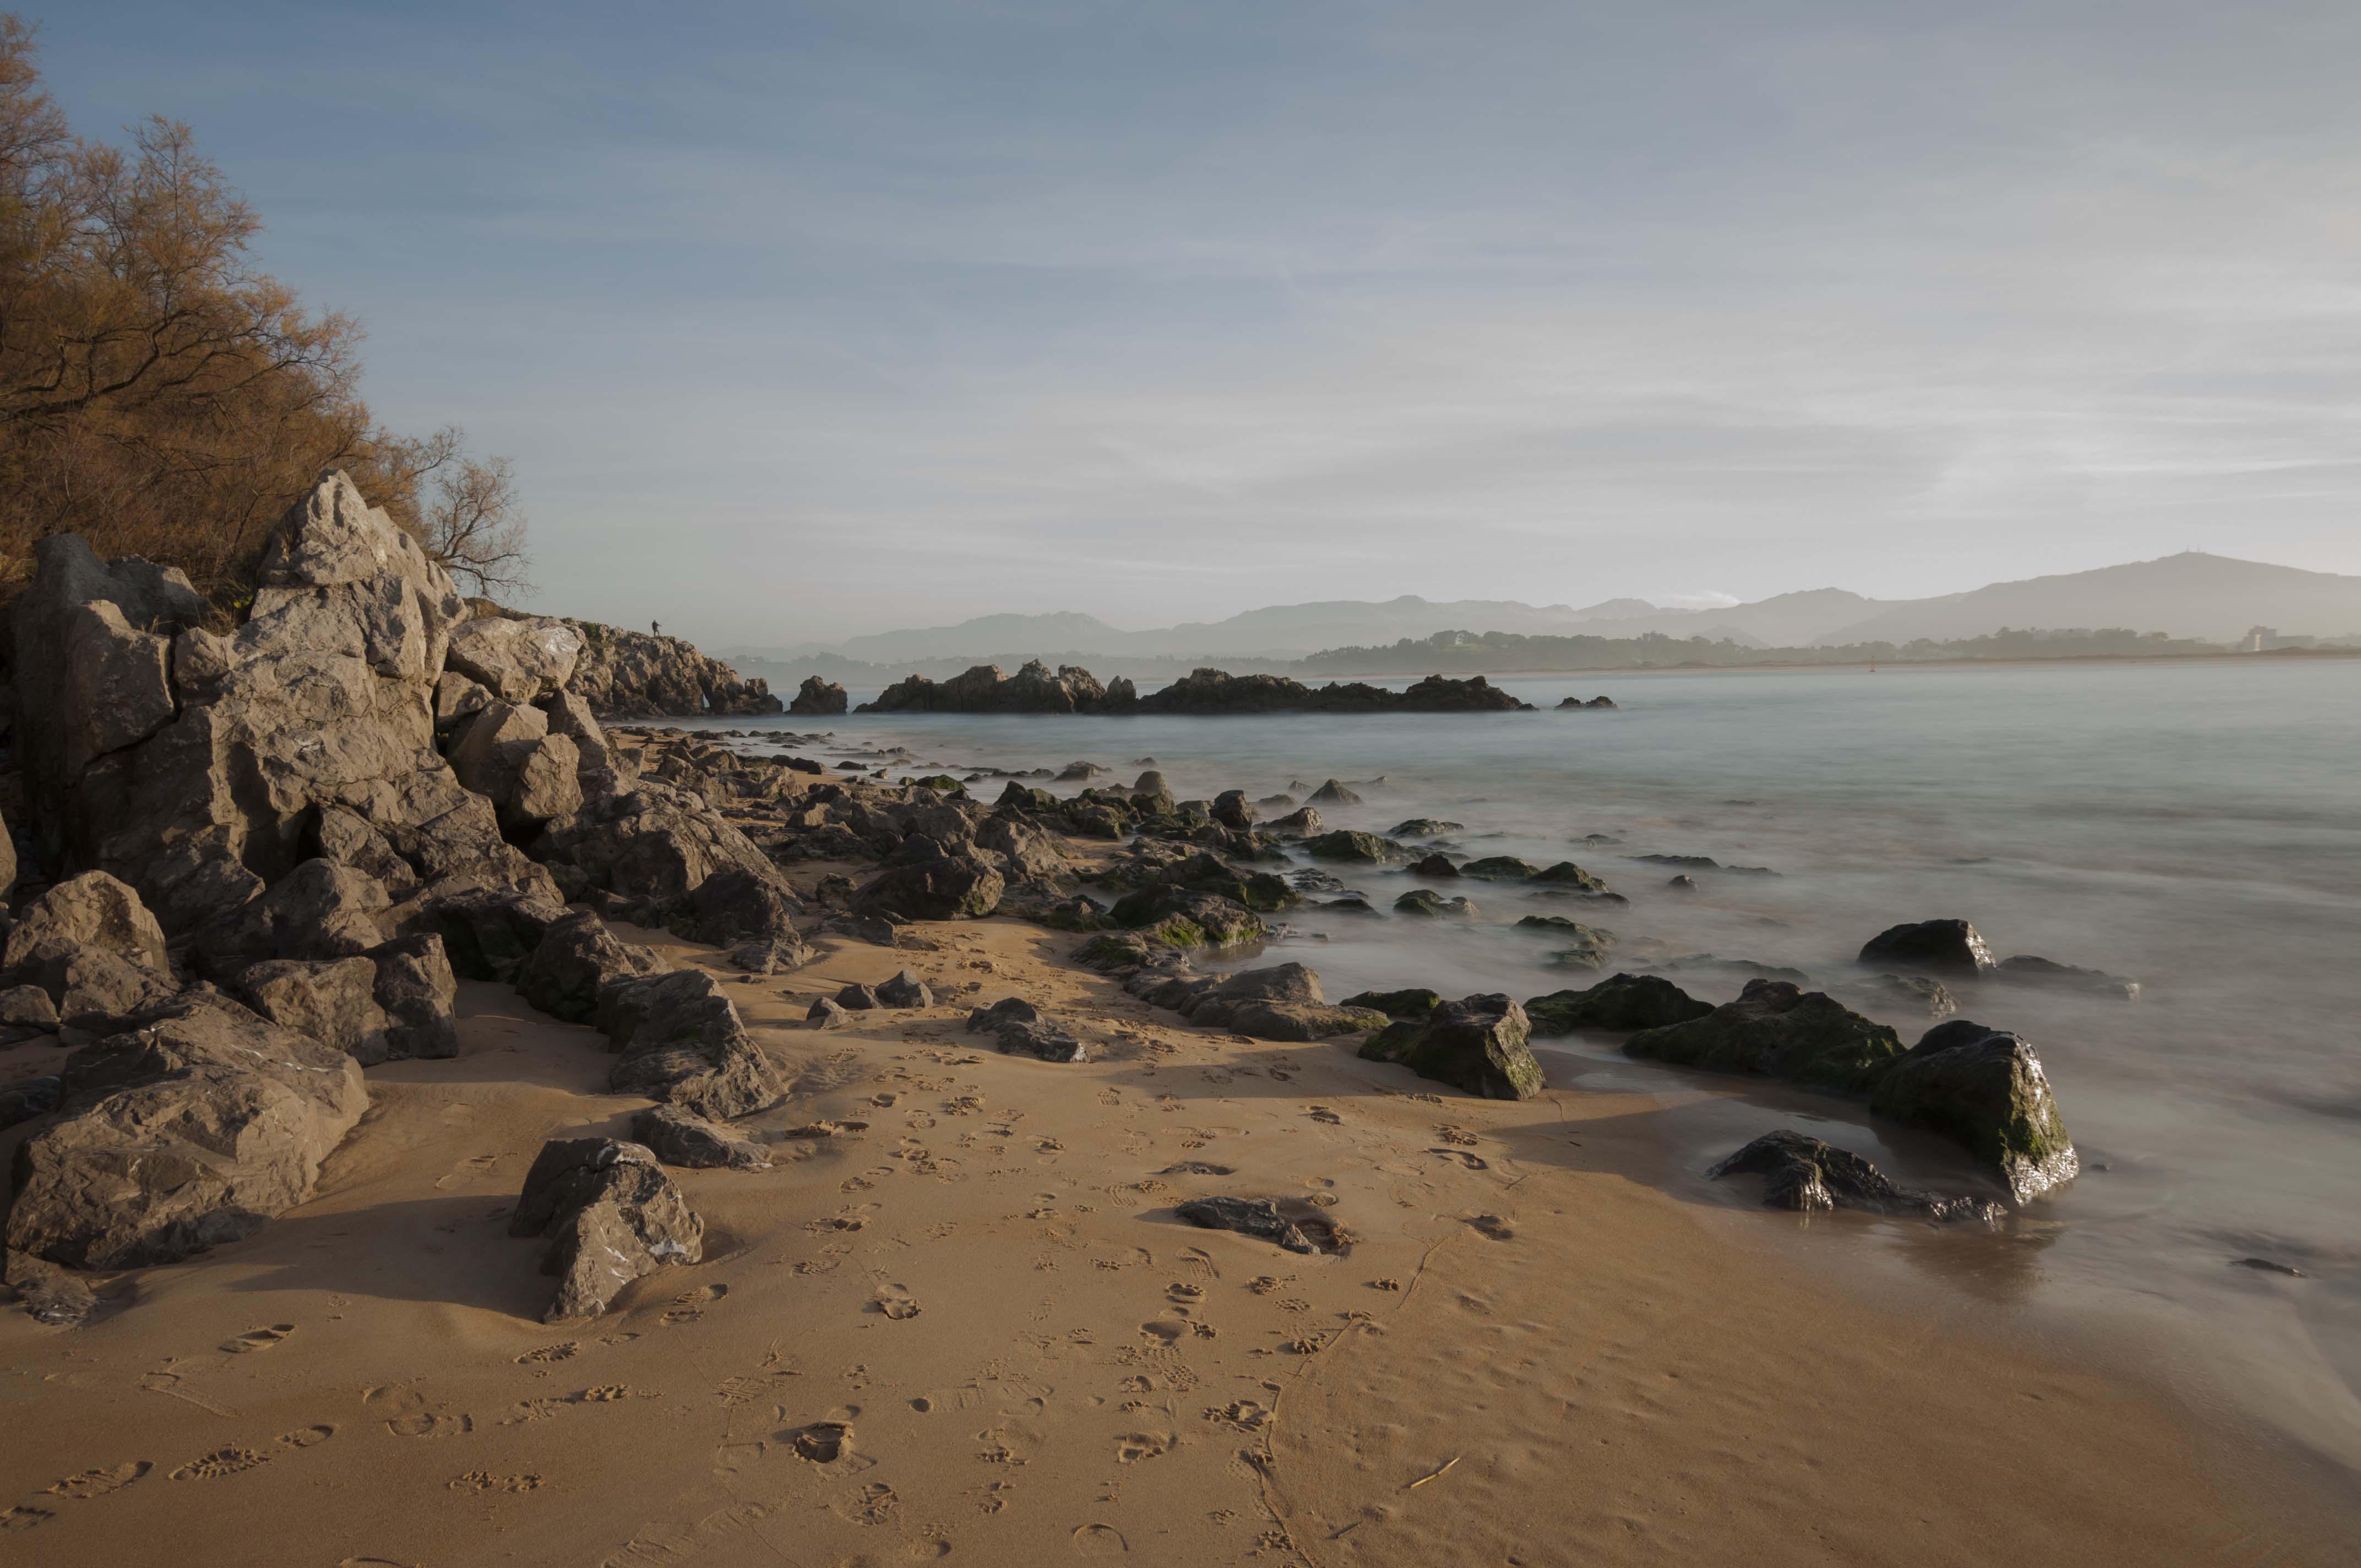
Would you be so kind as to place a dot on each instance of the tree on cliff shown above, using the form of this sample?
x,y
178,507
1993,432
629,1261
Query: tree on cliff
x,y
160,395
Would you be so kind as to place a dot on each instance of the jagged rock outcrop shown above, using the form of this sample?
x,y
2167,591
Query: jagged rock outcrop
x,y
1985,1089
517,659
610,1214
205,791
1477,1044
682,1041
1281,1003
983,689
816,699
1217,691
577,957
634,674
1810,1176
191,1130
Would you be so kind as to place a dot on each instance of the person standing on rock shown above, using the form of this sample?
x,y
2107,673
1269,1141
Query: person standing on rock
x,y
655,629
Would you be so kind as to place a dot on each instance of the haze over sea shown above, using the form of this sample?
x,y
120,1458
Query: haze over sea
x,y
2190,825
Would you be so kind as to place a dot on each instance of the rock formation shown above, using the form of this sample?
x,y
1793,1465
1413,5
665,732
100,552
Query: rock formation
x,y
633,674
610,1214
1477,1044
817,699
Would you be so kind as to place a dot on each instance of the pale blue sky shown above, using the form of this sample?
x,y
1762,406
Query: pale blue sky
x,y
807,319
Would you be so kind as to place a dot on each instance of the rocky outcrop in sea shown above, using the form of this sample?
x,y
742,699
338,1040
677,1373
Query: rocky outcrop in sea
x,y
1035,689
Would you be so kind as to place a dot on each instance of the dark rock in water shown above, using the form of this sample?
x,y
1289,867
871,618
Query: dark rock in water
x,y
818,696
1904,994
1021,1030
1558,926
826,1012
1618,1001
1433,906
1343,845
1682,884
1594,702
1579,958
1261,1219
692,1142
1080,773
1500,868
1715,964
1566,874
1184,917
1933,946
1436,866
576,958
1477,1044
1985,1089
1424,828
2024,969
1694,863
1777,1029
681,1040
1232,810
2269,1265
1217,691
1334,794
1413,1002
1301,822
1276,802
951,888
904,990
191,1131
610,1214
33,1097
983,689
1352,904
1804,1174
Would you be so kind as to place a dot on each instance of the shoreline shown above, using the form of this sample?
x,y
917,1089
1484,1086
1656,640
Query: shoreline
x,y
977,1271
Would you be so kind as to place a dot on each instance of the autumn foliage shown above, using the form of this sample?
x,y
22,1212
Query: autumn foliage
x,y
161,396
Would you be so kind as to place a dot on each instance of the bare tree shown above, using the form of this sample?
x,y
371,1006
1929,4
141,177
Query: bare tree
x,y
474,526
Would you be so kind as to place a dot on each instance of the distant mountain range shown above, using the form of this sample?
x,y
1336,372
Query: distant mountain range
x,y
2215,597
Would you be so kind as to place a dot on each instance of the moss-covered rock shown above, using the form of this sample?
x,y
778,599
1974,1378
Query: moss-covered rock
x,y
1347,845
1024,797
1477,1044
1572,931
1176,912
1500,868
1984,1088
1779,1030
1425,827
1566,874
1620,1002
1431,905
943,782
1413,1002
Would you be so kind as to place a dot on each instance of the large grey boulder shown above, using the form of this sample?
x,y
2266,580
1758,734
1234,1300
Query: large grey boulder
x,y
91,989
683,1042
417,992
577,957
333,1001
190,1132
488,935
655,844
610,1215
94,909
319,910
507,755
1283,1001
518,659
323,698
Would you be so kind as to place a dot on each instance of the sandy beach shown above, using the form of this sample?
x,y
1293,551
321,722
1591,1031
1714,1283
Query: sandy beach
x,y
957,1319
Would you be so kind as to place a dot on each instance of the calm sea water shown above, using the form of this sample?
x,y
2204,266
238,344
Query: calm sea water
x,y
2197,827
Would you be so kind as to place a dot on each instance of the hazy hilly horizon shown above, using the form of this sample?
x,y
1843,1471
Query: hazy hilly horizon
x,y
2191,593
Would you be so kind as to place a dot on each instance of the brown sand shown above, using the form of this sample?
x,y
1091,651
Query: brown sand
x,y
1525,1358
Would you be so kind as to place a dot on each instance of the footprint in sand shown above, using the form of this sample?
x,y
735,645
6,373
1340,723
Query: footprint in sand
x,y
306,1437
1462,1158
257,1339
1322,1113
1133,1447
822,1442
874,1503
1181,1290
485,1481
1492,1225
1099,1540
680,1316
99,1482
221,1462
702,1293
895,1302
24,1516
565,1351
431,1423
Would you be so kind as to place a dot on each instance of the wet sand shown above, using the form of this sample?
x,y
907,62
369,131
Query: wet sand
x,y
1530,1355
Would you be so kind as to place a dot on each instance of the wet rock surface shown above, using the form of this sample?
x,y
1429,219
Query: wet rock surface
x,y
1804,1174
1782,1031
1477,1044
1984,1089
